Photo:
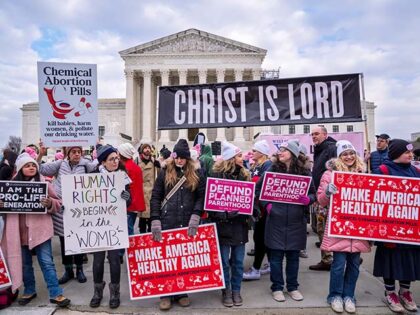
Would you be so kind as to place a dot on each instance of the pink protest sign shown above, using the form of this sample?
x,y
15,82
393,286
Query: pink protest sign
x,y
274,141
229,195
280,187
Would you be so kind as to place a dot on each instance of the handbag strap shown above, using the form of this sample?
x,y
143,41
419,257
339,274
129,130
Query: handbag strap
x,y
173,190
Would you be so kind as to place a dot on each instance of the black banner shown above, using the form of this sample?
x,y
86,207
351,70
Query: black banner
x,y
22,197
310,100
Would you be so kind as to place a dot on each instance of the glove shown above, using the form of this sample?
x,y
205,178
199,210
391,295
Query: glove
x,y
268,208
193,224
156,230
331,189
125,195
231,214
305,200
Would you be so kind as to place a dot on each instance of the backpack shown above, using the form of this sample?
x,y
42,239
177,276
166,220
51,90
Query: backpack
x,y
7,297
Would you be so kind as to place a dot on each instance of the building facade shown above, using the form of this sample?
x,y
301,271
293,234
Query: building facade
x,y
188,57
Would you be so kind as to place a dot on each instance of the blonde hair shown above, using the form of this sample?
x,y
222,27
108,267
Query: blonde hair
x,y
229,166
357,167
190,173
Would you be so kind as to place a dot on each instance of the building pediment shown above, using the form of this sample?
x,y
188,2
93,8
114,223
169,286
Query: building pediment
x,y
192,41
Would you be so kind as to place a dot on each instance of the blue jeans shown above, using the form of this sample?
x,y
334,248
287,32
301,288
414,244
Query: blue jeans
x,y
276,257
131,220
343,275
45,259
233,260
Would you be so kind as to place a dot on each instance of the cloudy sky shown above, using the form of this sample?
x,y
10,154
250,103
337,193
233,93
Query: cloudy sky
x,y
378,37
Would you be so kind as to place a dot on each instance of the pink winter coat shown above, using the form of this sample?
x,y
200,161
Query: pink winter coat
x,y
337,244
40,229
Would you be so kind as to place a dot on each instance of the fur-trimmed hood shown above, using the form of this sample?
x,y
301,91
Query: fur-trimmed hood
x,y
330,164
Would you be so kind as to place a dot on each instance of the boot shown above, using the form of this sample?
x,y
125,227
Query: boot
x,y
67,276
114,295
80,275
227,298
98,292
237,298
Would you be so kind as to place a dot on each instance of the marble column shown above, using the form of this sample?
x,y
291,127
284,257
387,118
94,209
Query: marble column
x,y
147,107
256,75
202,79
129,102
220,135
164,134
238,132
183,73
137,111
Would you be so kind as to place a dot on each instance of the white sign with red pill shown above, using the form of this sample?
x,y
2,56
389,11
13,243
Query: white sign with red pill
x,y
68,104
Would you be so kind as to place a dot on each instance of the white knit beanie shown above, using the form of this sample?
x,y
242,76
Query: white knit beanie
x,y
126,150
262,147
23,159
344,145
229,150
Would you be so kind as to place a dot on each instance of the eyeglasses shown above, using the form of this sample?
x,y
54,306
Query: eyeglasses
x,y
282,150
114,159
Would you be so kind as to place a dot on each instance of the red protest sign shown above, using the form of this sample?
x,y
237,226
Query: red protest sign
x,y
5,280
287,188
178,264
229,195
375,207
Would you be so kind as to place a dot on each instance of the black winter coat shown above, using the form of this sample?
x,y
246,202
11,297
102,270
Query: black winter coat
x,y
322,154
234,231
285,227
179,208
6,172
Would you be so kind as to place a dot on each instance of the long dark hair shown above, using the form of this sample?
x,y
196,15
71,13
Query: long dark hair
x,y
297,166
20,177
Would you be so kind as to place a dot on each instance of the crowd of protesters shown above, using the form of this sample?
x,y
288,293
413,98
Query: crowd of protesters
x,y
165,190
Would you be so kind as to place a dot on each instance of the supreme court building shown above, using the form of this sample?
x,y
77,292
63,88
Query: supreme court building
x,y
187,57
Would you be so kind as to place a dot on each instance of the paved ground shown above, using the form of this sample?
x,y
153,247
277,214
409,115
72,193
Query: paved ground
x,y
256,294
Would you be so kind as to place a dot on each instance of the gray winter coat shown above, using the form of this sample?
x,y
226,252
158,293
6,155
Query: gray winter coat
x,y
57,169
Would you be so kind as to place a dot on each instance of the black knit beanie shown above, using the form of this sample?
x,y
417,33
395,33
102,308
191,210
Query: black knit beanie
x,y
397,147
104,151
165,153
182,150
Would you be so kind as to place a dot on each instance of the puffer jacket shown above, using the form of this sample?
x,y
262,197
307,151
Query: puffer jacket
x,y
336,244
179,208
58,169
233,231
347,245
377,158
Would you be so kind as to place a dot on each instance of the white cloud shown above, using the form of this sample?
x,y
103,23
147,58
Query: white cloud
x,y
378,38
